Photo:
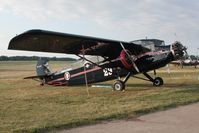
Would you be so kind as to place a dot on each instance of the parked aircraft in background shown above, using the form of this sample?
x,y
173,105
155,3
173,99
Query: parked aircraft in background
x,y
153,44
113,59
186,62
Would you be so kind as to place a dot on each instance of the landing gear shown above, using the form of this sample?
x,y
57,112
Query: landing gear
x,y
158,81
119,85
42,82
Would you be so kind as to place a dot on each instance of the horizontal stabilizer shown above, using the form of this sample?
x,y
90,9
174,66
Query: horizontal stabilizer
x,y
35,77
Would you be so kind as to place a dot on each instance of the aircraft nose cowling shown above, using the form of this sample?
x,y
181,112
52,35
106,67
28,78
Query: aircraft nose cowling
x,y
126,59
178,49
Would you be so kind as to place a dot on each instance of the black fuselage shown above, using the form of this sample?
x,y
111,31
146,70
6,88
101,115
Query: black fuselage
x,y
109,70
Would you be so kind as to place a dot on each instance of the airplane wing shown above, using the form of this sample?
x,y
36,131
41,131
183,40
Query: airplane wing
x,y
48,41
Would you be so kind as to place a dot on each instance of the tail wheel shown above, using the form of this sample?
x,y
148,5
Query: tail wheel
x,y
118,85
158,81
42,82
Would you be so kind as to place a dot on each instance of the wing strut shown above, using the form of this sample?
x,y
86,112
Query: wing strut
x,y
83,57
86,81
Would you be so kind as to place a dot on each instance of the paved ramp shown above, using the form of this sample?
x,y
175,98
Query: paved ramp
x,y
183,119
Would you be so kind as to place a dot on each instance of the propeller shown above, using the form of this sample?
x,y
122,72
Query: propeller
x,y
132,59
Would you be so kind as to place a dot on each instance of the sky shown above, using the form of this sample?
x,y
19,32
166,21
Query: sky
x,y
124,20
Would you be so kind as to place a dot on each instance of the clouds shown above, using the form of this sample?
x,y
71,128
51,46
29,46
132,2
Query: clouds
x,y
109,12
126,20
41,9
25,8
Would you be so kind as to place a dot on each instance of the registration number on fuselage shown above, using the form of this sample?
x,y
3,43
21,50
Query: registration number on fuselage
x,y
107,72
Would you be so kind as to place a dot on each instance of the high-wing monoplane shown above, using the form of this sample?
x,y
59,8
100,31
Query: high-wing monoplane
x,y
113,59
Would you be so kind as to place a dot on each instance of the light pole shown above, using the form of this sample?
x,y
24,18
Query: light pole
x,y
198,59
198,54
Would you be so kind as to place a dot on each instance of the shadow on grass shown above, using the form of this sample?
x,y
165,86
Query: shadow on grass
x,y
148,86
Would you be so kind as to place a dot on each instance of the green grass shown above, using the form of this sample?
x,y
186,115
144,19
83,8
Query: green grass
x,y
27,107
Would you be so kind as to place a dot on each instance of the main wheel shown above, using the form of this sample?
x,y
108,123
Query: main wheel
x,y
118,85
158,81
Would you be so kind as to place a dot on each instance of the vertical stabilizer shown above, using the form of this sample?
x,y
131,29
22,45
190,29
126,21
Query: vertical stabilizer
x,y
42,67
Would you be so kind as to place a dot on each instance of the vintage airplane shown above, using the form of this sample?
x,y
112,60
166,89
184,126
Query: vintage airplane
x,y
114,59
186,62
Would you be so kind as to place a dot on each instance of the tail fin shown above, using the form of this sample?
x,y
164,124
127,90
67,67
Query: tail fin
x,y
42,67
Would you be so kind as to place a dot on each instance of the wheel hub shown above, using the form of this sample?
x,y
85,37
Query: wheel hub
x,y
117,87
157,82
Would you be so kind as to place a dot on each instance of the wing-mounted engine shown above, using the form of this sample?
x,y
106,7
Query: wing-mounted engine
x,y
127,59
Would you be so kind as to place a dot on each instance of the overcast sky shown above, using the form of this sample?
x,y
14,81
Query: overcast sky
x,y
124,20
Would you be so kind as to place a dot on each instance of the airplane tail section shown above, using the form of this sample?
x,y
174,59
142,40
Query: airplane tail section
x,y
42,67
43,71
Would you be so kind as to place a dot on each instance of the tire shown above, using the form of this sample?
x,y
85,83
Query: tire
x,y
118,85
158,81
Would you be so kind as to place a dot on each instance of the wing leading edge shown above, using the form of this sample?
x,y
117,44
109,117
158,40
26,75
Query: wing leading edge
x,y
48,41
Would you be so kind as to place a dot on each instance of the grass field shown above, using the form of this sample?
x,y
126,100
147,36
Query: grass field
x,y
27,107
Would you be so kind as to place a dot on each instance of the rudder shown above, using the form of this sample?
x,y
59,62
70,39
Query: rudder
x,y
42,67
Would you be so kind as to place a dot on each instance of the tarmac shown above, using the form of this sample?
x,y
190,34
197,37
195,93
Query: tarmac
x,y
184,119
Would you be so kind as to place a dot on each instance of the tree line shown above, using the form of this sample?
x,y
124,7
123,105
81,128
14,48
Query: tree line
x,y
32,58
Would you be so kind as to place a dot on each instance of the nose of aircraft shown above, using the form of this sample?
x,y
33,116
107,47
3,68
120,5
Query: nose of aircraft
x,y
178,49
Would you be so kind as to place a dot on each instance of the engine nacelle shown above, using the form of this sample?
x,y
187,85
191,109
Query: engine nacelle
x,y
178,50
126,59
